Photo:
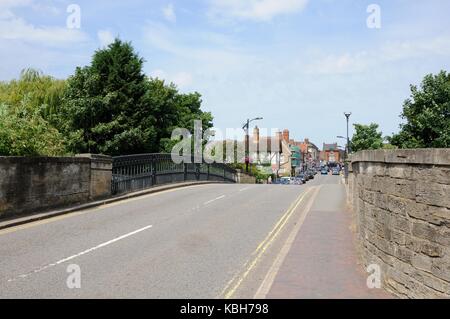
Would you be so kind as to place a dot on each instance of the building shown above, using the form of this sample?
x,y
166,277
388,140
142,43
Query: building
x,y
331,153
305,152
271,152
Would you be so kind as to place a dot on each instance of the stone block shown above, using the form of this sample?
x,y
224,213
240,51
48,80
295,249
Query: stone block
x,y
434,174
441,269
401,223
425,231
401,188
380,200
403,253
401,171
433,194
432,214
399,206
421,262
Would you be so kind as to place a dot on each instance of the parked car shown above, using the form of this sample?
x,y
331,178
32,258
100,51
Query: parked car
x,y
297,181
310,174
324,171
335,171
302,177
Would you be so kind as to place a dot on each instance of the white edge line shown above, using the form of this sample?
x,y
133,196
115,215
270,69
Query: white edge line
x,y
213,200
82,253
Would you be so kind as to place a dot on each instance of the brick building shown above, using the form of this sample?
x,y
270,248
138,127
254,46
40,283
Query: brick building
x,y
331,153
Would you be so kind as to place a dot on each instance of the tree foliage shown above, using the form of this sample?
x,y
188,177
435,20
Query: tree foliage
x,y
173,109
27,107
427,115
24,132
107,107
113,108
366,137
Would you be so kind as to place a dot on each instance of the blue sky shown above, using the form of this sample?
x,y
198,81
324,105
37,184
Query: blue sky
x,y
297,63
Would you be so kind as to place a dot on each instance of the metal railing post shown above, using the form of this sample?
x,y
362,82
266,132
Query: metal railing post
x,y
135,172
197,171
153,170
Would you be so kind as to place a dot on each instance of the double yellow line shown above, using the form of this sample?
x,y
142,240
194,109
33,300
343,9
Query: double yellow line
x,y
233,284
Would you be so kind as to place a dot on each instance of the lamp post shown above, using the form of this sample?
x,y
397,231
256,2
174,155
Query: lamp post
x,y
247,140
347,149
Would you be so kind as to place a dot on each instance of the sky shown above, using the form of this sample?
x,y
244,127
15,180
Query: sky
x,y
299,64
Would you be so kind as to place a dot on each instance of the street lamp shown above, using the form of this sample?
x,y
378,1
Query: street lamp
x,y
347,149
247,140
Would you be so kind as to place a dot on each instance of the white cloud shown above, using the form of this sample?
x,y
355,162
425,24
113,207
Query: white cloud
x,y
389,52
105,37
15,28
257,10
206,48
416,48
169,13
340,64
180,79
8,4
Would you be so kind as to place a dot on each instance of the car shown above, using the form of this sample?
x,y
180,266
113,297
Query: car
x,y
335,171
310,174
296,181
302,177
324,171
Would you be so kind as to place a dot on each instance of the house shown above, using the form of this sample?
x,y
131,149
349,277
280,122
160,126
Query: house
x,y
331,153
304,152
272,152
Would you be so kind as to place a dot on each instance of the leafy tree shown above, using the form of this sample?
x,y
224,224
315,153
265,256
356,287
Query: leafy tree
x,y
41,92
24,132
173,109
366,137
27,107
107,105
427,115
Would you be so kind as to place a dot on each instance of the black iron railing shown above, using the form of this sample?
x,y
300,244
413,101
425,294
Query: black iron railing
x,y
137,172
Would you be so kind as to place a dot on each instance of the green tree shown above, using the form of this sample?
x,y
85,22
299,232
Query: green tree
x,y
107,105
28,107
366,137
26,133
173,109
41,92
427,115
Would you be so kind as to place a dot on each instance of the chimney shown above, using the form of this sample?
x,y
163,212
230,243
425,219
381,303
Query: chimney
x,y
286,135
307,141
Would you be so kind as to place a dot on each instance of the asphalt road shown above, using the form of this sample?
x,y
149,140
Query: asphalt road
x,y
208,241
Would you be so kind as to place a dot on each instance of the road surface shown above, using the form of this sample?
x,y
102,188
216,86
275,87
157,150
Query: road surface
x,y
207,241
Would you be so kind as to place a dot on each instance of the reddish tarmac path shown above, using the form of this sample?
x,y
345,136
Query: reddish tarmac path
x,y
322,261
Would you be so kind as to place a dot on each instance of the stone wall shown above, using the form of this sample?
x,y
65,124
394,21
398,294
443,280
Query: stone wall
x,y
242,178
401,200
33,184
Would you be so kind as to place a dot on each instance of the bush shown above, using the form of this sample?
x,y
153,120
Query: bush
x,y
25,133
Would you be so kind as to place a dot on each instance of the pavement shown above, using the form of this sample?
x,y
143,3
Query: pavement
x,y
202,241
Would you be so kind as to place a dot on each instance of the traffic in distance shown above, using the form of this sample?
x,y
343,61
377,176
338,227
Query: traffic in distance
x,y
309,174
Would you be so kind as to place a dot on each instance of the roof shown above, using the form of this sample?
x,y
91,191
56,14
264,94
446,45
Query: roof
x,y
330,147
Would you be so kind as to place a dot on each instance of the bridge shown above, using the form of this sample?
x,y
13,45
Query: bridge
x,y
225,239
